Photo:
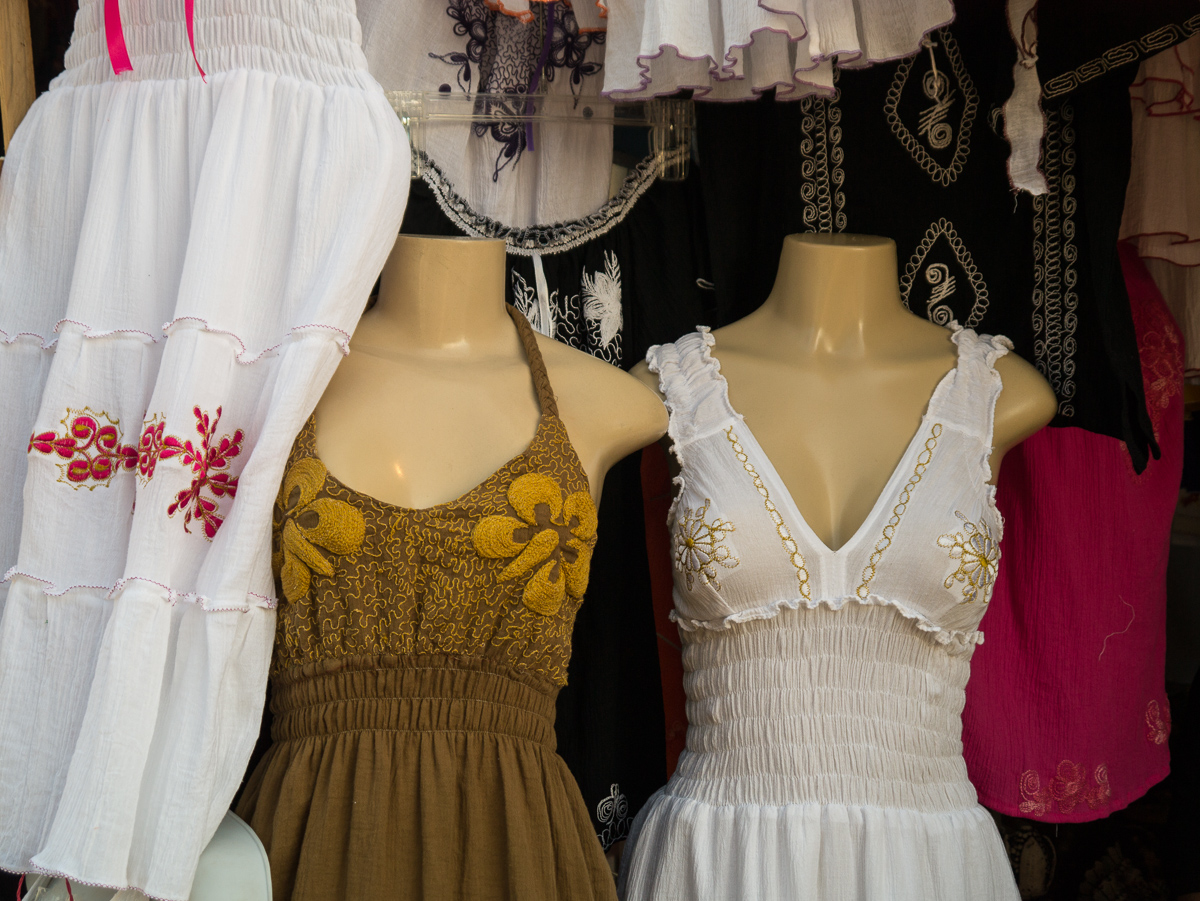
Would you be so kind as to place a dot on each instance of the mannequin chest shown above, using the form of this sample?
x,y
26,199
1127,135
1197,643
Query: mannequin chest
x,y
418,433
834,436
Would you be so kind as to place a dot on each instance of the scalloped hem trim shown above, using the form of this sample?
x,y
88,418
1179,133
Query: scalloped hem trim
x,y
243,356
255,601
721,72
35,870
957,638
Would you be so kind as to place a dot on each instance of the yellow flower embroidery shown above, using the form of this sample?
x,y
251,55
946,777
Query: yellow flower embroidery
x,y
698,548
555,534
978,555
310,522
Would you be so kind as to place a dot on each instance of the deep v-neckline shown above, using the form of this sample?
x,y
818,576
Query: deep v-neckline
x,y
889,486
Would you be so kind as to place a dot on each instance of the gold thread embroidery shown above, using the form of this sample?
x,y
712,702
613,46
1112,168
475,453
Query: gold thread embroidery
x,y
1056,293
698,547
1122,54
307,522
978,556
91,446
898,511
417,586
553,537
781,529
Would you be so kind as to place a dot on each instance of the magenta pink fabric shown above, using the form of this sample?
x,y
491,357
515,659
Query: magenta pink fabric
x,y
1066,718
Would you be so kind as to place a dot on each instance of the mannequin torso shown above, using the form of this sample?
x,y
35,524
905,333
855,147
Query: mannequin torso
x,y
833,375
438,393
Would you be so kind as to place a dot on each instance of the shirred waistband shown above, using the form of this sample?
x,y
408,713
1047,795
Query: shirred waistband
x,y
427,693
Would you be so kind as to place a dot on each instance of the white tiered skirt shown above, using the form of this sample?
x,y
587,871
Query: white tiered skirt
x,y
194,254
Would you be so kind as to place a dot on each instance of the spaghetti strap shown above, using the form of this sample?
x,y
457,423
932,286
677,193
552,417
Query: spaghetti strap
x,y
537,366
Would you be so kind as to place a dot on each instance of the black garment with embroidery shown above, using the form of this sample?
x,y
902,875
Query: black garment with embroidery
x,y
914,150
615,283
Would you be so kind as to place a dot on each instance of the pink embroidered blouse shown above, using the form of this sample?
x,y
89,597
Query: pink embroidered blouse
x,y
1066,718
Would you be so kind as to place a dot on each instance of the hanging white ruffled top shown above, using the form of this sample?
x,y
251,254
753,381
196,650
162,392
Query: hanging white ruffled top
x,y
737,49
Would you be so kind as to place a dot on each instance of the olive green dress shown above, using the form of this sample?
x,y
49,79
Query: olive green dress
x,y
417,661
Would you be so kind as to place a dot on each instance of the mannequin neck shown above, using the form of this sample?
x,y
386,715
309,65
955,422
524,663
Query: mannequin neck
x,y
441,294
839,293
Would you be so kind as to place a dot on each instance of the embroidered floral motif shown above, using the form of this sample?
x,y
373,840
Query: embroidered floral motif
x,y
602,298
1067,789
537,310
207,458
552,538
698,547
90,445
569,47
1158,723
304,523
150,448
501,56
893,523
613,813
471,20
1160,349
978,556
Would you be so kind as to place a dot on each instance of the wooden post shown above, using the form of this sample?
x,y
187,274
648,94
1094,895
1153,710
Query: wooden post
x,y
17,89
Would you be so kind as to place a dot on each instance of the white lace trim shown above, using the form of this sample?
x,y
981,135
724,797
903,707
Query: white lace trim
x,y
543,239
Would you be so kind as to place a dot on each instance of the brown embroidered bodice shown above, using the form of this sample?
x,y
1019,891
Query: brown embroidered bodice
x,y
499,573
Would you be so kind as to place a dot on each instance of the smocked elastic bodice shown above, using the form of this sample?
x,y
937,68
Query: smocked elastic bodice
x,y
852,707
316,41
817,676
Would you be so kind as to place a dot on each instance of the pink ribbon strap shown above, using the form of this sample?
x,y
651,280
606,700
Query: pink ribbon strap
x,y
118,53
114,34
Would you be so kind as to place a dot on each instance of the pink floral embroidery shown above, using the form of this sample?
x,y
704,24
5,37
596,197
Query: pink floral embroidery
x,y
1158,726
1067,789
91,445
206,458
150,447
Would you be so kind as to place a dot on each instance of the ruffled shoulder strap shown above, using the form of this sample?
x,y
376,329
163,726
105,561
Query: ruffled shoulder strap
x,y
969,402
692,385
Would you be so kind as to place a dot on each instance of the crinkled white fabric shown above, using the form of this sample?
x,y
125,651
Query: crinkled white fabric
x,y
691,851
251,215
1024,123
1162,202
736,49
825,688
481,45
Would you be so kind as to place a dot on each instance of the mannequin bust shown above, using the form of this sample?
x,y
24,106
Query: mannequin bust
x,y
833,375
437,394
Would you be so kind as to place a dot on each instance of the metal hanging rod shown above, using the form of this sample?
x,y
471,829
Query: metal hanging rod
x,y
671,122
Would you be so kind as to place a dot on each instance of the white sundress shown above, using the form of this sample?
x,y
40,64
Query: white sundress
x,y
825,689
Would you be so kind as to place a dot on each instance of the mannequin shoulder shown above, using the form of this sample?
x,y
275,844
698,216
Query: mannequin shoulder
x,y
599,402
1026,402
642,373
